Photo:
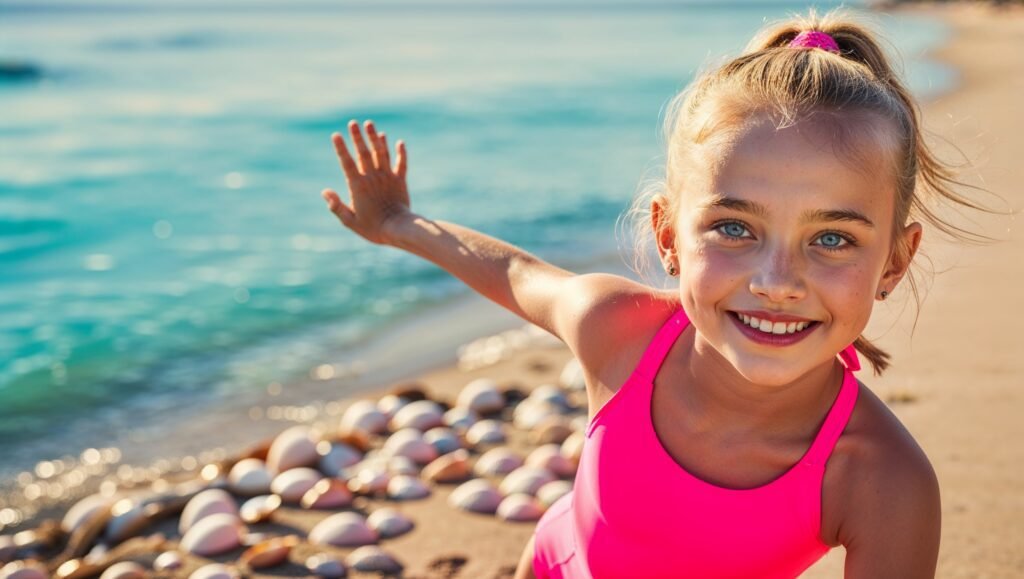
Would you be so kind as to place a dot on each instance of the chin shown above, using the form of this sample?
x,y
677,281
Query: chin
x,y
771,372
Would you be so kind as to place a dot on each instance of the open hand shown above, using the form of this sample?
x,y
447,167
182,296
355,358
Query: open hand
x,y
377,192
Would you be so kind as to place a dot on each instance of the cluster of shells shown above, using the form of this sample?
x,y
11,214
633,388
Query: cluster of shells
x,y
401,447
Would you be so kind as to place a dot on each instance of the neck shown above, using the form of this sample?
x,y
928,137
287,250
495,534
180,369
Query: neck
x,y
722,403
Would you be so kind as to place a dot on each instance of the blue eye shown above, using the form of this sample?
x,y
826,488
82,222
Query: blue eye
x,y
834,241
732,229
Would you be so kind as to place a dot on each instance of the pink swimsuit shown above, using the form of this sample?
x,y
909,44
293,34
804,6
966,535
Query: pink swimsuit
x,y
636,513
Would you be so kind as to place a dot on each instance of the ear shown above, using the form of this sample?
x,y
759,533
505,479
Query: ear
x,y
664,230
905,249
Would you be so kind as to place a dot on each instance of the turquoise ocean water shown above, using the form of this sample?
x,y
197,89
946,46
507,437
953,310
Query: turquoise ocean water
x,y
162,239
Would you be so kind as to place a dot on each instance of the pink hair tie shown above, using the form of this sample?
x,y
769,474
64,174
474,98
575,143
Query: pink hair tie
x,y
814,39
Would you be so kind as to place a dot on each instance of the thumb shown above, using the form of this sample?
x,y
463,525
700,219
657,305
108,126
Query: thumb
x,y
346,215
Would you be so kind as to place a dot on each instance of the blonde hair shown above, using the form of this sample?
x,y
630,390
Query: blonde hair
x,y
787,85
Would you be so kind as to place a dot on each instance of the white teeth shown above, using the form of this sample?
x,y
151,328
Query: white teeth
x,y
765,326
791,328
779,328
769,327
801,325
746,318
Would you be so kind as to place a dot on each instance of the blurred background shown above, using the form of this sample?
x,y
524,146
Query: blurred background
x,y
163,246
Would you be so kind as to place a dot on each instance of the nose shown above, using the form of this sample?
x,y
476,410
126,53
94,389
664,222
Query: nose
x,y
779,277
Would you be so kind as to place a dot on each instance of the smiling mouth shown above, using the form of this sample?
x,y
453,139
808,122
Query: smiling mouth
x,y
774,328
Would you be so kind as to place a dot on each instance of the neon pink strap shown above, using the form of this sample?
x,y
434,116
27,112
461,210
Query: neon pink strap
x,y
814,39
849,358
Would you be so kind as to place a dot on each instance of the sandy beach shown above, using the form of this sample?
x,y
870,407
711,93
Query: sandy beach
x,y
954,382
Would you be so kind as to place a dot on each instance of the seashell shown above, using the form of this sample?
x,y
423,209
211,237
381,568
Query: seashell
x,y
443,439
292,484
486,432
124,570
460,419
204,504
409,442
550,394
389,523
22,570
552,491
421,415
519,507
481,395
292,448
83,511
343,530
268,553
336,457
167,561
549,456
477,495
498,461
128,519
373,558
525,479
451,467
328,493
369,481
213,535
214,571
572,447
259,509
363,416
249,477
552,428
323,565
403,465
531,412
389,404
572,376
404,488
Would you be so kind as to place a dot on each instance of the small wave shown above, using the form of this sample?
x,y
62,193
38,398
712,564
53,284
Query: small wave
x,y
21,236
182,41
19,71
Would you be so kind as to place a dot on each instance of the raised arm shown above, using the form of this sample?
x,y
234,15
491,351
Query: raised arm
x,y
380,212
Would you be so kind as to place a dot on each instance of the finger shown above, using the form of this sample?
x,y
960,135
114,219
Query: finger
x,y
383,155
374,137
338,208
365,161
347,164
402,160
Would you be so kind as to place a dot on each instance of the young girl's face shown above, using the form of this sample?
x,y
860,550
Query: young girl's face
x,y
779,233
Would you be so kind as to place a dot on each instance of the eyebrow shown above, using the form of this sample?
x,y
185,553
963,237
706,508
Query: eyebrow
x,y
759,210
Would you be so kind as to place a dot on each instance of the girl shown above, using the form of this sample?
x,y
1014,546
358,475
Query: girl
x,y
728,436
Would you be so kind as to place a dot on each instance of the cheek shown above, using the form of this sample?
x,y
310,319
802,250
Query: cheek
x,y
712,274
847,293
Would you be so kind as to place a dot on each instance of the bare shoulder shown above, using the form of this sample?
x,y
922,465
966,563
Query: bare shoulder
x,y
607,321
881,496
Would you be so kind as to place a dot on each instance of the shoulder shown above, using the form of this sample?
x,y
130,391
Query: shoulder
x,y
607,320
890,520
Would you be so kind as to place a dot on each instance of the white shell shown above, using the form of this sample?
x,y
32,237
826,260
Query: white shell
x,y
551,429
460,419
552,491
259,509
409,442
486,432
292,484
335,457
443,439
124,570
482,395
250,476
531,412
21,570
519,507
550,394
572,375
549,456
129,518
572,447
404,487
83,511
292,448
370,480
389,523
204,504
167,561
213,535
498,461
421,415
328,493
403,465
477,495
343,530
390,404
373,558
525,479
363,416
214,571
323,565
451,467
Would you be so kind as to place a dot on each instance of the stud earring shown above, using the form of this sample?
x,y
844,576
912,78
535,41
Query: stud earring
x,y
885,294
672,269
